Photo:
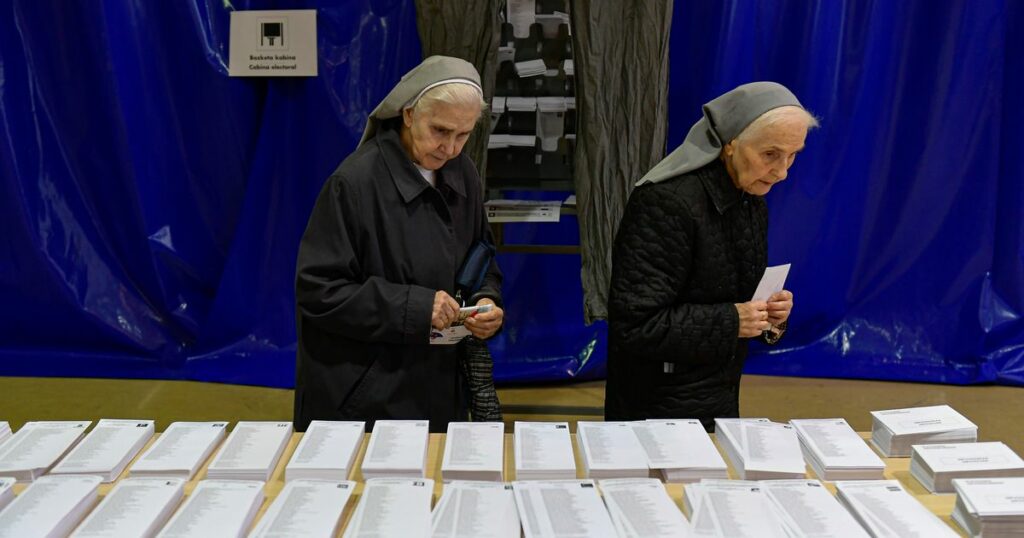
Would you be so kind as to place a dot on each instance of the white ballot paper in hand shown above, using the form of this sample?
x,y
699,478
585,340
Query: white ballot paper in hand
x,y
454,334
772,282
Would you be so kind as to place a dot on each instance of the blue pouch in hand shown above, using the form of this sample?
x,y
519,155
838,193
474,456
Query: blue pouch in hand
x,y
470,277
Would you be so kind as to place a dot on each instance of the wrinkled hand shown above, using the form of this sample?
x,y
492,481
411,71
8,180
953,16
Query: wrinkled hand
x,y
483,325
779,307
753,318
446,311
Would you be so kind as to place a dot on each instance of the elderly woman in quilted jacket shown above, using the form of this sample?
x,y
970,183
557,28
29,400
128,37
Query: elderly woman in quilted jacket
x,y
689,253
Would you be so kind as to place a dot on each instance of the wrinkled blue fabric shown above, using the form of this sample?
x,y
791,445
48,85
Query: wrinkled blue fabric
x,y
151,206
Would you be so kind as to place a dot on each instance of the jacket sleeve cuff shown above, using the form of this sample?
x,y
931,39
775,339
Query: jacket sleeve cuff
x,y
418,310
486,294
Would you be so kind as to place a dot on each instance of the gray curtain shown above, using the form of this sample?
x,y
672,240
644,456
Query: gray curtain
x,y
620,51
467,29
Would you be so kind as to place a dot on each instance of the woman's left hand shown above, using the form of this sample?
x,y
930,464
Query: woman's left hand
x,y
779,306
483,325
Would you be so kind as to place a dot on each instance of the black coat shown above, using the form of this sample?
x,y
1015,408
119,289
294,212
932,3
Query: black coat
x,y
687,250
380,242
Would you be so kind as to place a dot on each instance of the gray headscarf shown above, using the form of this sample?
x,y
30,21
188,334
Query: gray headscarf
x,y
725,117
432,72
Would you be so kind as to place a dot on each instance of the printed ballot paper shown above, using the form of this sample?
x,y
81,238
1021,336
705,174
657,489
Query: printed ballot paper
x,y
773,281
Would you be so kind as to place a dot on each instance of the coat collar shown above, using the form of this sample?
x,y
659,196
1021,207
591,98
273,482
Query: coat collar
x,y
407,178
719,185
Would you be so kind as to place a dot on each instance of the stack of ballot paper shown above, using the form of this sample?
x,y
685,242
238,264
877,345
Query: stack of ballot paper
x,y
760,449
610,450
397,448
558,508
181,450
640,507
936,466
393,507
474,451
37,446
543,451
51,506
6,491
894,431
108,448
530,68
885,509
327,451
808,509
835,451
680,450
477,509
5,432
306,508
733,509
251,451
217,508
135,507
990,507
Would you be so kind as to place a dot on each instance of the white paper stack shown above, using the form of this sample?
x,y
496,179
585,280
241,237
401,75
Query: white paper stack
x,y
641,508
835,451
808,509
761,450
306,508
135,507
474,451
393,507
327,451
6,491
990,507
530,68
217,508
894,431
51,506
936,466
611,450
5,432
498,141
181,450
108,449
397,448
251,451
37,446
477,509
885,509
732,509
543,451
558,508
680,450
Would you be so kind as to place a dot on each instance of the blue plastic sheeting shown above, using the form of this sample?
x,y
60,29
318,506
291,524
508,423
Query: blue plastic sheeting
x,y
902,218
151,206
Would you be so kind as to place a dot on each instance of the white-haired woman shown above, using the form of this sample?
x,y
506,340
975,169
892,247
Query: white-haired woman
x,y
688,255
377,263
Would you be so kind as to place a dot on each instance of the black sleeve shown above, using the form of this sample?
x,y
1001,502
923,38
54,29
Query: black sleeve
x,y
331,290
651,263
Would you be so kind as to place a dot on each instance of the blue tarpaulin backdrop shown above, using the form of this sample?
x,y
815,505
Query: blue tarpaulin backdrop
x,y
151,206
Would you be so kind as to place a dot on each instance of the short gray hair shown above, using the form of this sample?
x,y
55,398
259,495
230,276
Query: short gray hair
x,y
773,117
454,93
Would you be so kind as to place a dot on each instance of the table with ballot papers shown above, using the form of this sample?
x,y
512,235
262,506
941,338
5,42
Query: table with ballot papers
x,y
755,477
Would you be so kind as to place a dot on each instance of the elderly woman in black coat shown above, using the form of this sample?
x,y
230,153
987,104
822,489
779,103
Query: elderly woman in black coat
x,y
688,256
377,265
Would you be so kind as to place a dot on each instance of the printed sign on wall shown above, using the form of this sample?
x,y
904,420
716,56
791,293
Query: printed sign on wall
x,y
278,43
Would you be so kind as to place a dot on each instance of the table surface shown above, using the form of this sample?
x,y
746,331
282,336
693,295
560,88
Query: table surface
x,y
895,469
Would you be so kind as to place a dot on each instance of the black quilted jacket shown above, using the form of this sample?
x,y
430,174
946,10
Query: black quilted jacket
x,y
687,249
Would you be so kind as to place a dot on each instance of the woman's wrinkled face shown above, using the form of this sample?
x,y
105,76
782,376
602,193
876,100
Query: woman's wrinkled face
x,y
759,162
436,134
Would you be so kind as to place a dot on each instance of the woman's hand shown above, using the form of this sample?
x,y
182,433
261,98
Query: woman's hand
x,y
753,318
779,307
483,325
446,311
